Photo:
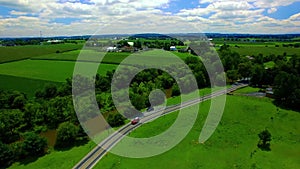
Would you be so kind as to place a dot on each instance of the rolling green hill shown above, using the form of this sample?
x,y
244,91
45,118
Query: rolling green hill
x,y
230,146
234,143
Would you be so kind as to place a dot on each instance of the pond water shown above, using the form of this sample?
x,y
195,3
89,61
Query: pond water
x,y
256,94
50,135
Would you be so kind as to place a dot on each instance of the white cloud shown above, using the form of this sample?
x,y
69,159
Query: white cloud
x,y
13,12
242,16
258,3
231,5
272,10
295,17
273,3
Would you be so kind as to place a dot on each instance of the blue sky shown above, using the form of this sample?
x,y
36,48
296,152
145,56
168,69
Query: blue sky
x,y
76,17
284,12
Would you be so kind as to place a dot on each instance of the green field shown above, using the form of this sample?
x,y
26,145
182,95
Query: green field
x,y
257,49
26,85
270,64
57,71
232,143
13,53
246,90
112,57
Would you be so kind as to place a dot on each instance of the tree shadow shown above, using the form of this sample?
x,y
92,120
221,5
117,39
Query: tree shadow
x,y
28,160
79,142
284,106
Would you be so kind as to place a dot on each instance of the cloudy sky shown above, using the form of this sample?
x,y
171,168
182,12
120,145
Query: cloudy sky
x,y
82,17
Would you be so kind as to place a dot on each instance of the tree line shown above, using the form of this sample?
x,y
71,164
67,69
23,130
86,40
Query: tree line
x,y
284,77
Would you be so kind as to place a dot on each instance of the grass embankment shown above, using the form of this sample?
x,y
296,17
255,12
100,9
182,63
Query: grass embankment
x,y
232,143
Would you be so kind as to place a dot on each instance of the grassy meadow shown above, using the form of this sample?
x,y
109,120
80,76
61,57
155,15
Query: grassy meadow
x,y
232,143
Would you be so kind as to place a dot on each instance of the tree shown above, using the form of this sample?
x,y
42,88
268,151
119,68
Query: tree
x,y
175,90
232,75
264,142
244,69
19,102
6,155
115,120
258,75
49,91
156,97
60,109
10,123
66,135
33,144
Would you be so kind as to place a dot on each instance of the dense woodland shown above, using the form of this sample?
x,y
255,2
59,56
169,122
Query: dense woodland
x,y
22,119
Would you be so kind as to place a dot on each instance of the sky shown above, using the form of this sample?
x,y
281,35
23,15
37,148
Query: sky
x,y
23,18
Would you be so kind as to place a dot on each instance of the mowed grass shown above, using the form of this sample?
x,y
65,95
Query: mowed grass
x,y
232,143
246,90
257,49
270,64
57,71
13,53
26,85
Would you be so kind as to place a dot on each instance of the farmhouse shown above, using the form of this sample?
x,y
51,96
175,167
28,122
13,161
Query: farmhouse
x,y
173,48
54,41
112,49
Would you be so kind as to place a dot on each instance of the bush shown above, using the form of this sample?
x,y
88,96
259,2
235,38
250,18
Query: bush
x,y
34,145
264,142
175,91
66,135
115,120
6,155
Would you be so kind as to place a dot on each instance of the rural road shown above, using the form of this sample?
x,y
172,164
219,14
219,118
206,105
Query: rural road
x,y
94,156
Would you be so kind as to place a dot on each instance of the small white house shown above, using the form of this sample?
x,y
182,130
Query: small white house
x,y
111,49
173,48
131,43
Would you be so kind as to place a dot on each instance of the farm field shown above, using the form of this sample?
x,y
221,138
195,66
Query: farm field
x,y
110,57
257,49
13,53
25,85
232,143
57,71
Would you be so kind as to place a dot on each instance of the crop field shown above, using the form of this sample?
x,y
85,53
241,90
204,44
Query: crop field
x,y
109,57
57,71
257,49
234,143
8,54
25,85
